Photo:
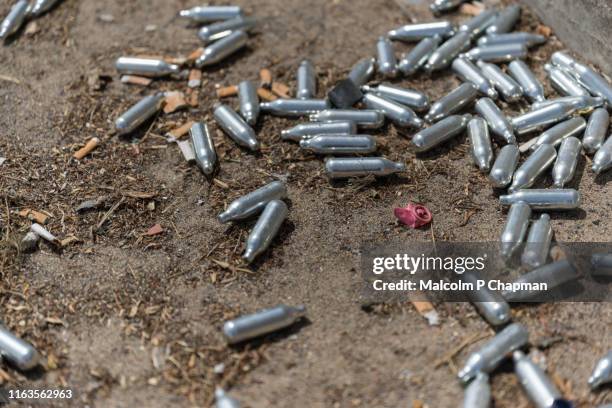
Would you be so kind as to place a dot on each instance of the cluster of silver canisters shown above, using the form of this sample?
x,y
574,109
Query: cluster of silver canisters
x,y
21,12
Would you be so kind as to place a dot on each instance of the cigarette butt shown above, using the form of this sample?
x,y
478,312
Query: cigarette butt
x,y
34,215
266,95
181,131
423,306
226,91
174,101
195,55
557,254
43,233
176,60
546,31
136,80
280,89
195,78
85,150
265,76
471,9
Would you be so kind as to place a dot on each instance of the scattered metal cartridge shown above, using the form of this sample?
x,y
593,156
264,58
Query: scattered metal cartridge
x,y
387,63
498,123
442,6
478,24
509,89
553,275
40,7
537,247
567,160
249,101
254,202
371,119
532,88
538,387
456,100
211,13
446,53
235,127
222,29
505,21
490,304
340,144
602,264
397,113
417,32
308,130
602,373
596,130
416,58
409,97
440,132
203,148
363,71
515,230
306,81
580,104
265,229
480,141
219,50
603,158
19,352
145,67
528,39
15,18
263,322
478,392
563,82
340,167
544,199
504,166
222,400
139,113
498,52
556,134
540,118
294,107
586,76
488,357
469,72
535,166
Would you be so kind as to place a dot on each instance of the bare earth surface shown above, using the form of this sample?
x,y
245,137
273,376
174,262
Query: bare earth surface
x,y
128,320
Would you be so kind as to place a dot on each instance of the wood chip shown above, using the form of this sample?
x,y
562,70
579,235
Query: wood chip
x,y
138,194
265,77
227,91
544,30
266,95
174,101
280,89
181,131
195,78
154,230
34,215
136,80
471,9
85,150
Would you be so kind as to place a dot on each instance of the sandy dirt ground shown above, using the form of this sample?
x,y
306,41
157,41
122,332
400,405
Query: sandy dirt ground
x,y
124,319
